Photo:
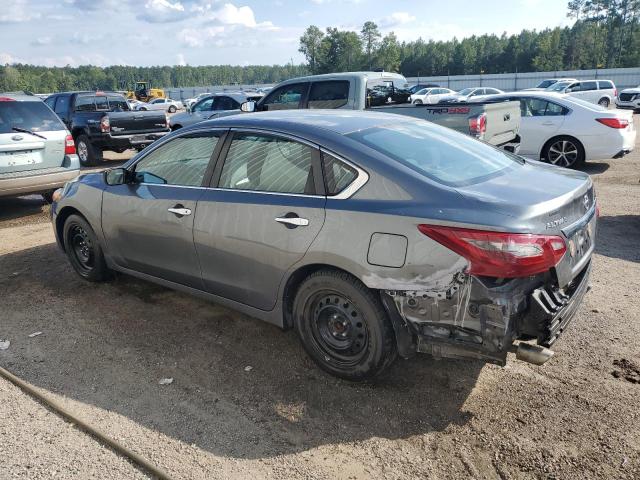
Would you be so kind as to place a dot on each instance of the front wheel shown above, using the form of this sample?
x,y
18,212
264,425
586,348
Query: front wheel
x,y
564,152
343,326
143,109
172,109
418,102
84,250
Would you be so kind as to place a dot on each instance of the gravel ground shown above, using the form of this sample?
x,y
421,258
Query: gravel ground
x,y
104,349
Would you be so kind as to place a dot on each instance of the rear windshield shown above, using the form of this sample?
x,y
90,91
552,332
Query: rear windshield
x,y
546,83
103,103
34,116
439,153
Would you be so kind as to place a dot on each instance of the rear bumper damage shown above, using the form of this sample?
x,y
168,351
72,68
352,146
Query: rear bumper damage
x,y
481,318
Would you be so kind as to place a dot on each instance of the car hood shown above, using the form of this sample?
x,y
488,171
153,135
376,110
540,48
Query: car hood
x,y
535,194
631,90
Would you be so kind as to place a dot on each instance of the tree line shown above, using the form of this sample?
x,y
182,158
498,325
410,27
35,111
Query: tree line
x,y
605,34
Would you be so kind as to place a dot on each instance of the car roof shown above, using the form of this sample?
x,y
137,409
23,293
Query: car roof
x,y
345,75
303,121
21,97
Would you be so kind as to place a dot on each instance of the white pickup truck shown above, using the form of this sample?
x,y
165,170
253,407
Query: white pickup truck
x,y
495,123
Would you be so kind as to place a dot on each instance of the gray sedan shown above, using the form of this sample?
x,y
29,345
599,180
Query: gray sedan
x,y
372,235
212,106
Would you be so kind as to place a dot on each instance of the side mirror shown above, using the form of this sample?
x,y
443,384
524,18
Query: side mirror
x,y
117,176
248,107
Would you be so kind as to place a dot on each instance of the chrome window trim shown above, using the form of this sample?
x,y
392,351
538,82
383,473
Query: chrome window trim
x,y
361,179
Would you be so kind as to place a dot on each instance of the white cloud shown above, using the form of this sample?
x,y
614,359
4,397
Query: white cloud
x,y
19,12
162,11
396,18
40,41
180,60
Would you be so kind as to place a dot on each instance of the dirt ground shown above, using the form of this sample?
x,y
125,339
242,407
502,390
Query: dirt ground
x,y
104,348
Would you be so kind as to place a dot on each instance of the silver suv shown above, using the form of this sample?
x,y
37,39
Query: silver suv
x,y
37,153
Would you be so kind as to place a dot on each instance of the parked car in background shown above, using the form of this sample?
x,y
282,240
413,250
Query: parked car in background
x,y
212,106
354,91
102,121
629,98
566,131
420,86
543,85
188,102
468,94
302,182
602,92
133,103
164,104
429,96
37,153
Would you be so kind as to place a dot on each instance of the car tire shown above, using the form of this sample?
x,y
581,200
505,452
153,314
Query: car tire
x,y
172,109
87,153
343,326
176,127
142,109
564,152
604,102
83,250
418,102
48,196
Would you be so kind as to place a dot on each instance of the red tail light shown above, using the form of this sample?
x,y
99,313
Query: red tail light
x,y
69,146
478,125
497,254
615,92
6,99
105,124
614,122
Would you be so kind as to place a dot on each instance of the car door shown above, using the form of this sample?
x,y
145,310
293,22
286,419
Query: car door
x,y
287,97
204,108
539,121
148,223
260,219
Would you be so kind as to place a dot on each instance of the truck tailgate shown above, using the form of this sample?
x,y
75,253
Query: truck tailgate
x,y
129,123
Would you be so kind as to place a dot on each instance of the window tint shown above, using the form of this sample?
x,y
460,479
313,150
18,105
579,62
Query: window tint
x,y
34,116
269,164
62,105
329,94
285,98
101,103
225,103
553,109
440,154
491,91
534,107
181,161
204,105
51,101
586,86
605,84
85,103
338,175
117,103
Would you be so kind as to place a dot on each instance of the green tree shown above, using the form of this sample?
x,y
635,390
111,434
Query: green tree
x,y
312,47
388,55
370,36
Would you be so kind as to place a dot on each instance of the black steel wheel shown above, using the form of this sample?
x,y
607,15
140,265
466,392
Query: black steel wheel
x,y
564,152
343,326
84,250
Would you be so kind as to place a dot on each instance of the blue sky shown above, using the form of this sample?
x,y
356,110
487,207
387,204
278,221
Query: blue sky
x,y
209,32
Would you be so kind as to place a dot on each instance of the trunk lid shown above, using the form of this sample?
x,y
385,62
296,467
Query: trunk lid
x,y
22,151
128,123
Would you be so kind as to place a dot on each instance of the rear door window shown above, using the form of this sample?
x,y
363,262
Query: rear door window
x,y
606,84
85,103
33,116
226,103
204,105
338,175
332,94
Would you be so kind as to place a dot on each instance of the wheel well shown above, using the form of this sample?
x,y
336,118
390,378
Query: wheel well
x,y
65,213
175,127
77,132
553,139
294,282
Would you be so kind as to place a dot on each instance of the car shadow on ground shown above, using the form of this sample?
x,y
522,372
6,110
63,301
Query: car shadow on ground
x,y
108,345
619,237
17,207
593,168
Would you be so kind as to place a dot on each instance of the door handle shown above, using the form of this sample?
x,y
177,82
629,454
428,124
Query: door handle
x,y
547,123
179,210
292,222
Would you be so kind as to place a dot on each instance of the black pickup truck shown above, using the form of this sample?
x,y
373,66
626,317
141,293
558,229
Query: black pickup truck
x,y
102,121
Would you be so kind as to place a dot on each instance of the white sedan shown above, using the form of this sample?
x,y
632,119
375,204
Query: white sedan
x,y
430,96
566,131
165,104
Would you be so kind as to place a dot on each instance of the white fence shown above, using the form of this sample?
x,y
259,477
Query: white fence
x,y
622,77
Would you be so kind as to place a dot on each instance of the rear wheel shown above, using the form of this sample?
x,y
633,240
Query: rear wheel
x,y
604,102
418,102
143,109
343,326
84,250
87,153
172,109
48,196
564,152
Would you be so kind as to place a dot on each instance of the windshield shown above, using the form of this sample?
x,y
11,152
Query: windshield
x,y
32,116
546,83
558,87
466,91
439,153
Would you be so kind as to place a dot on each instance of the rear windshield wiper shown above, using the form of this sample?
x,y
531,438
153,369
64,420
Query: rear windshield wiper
x,y
24,130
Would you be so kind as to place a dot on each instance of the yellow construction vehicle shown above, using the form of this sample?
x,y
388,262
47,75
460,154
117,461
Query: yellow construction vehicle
x,y
144,93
